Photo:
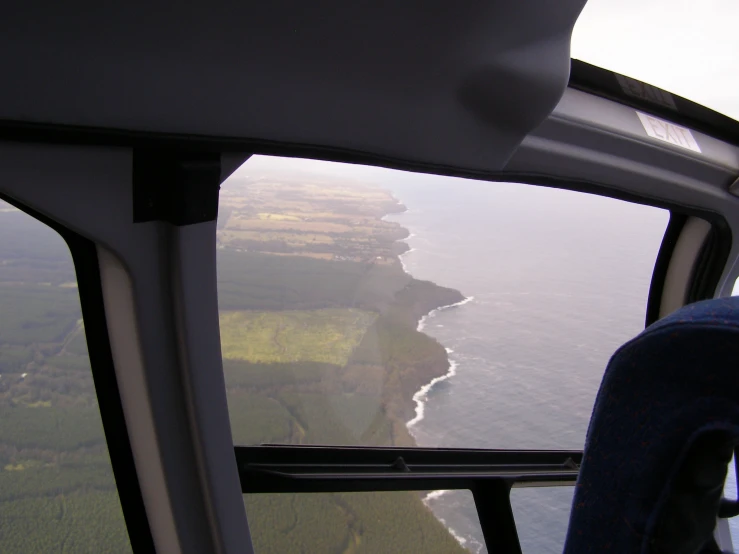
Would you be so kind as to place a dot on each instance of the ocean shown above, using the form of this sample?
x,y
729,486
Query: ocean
x,y
555,281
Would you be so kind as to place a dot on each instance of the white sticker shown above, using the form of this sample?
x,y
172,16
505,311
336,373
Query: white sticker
x,y
668,132
637,89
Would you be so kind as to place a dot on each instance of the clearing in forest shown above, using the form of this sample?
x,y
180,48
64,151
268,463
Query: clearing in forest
x,y
325,336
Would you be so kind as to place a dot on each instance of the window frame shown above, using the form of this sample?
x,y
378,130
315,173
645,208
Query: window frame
x,y
89,286
488,474
490,488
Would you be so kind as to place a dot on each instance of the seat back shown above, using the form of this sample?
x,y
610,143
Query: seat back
x,y
663,429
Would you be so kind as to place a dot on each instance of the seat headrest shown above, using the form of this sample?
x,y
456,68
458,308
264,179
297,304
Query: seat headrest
x,y
671,389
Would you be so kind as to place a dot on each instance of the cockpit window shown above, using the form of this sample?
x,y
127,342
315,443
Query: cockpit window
x,y
687,48
57,491
363,306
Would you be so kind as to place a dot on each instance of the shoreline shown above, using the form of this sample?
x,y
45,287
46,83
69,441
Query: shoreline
x,y
420,397
468,542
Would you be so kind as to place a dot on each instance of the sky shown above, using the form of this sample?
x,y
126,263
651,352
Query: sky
x,y
688,47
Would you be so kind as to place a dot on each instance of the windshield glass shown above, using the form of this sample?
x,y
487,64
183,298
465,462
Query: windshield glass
x,y
366,306
685,47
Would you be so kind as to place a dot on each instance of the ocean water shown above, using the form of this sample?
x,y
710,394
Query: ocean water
x,y
555,282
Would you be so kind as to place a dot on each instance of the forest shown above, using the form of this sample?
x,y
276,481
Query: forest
x,y
57,491
319,347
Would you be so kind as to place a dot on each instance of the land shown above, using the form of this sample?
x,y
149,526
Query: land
x,y
57,491
309,216
318,326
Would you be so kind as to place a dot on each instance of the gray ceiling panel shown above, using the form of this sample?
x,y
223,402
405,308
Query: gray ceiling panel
x,y
446,83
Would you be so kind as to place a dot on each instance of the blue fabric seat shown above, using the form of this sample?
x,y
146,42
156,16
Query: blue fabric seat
x,y
663,429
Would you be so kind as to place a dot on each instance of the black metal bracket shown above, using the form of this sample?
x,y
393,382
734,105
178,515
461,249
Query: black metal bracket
x,y
488,474
175,186
278,468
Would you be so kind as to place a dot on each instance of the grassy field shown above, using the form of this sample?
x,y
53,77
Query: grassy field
x,y
328,376
308,218
238,237
326,336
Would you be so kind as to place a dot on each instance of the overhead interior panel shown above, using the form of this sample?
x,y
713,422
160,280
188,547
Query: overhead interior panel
x,y
456,84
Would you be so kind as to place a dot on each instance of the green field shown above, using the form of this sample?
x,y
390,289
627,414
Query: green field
x,y
324,336
304,218
330,378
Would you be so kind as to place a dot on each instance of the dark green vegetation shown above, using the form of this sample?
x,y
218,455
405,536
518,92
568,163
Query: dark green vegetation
x,y
390,363
365,400
57,492
255,281
347,523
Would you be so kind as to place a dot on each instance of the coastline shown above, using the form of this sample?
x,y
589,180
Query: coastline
x,y
420,397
